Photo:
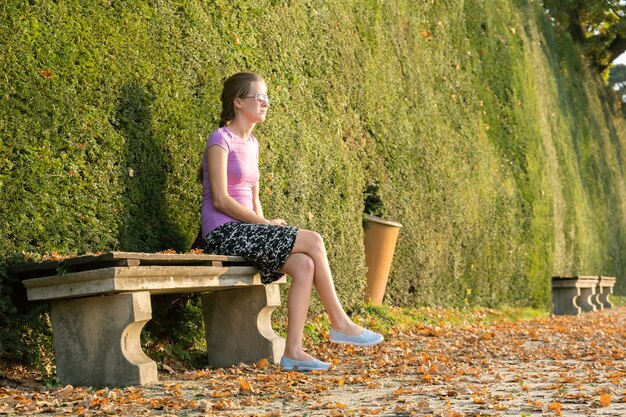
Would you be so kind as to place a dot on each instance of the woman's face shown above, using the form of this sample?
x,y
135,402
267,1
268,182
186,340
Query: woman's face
x,y
254,106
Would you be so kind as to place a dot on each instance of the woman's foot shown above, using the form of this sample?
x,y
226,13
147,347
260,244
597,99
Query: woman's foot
x,y
348,329
287,364
365,338
299,360
352,334
298,355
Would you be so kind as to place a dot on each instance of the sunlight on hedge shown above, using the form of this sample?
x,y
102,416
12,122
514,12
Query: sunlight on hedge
x,y
483,129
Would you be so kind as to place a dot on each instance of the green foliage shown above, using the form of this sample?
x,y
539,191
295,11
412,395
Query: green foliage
x,y
175,332
618,300
598,25
36,340
372,202
596,15
474,124
7,312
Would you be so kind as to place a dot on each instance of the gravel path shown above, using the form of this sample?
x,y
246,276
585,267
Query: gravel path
x,y
569,366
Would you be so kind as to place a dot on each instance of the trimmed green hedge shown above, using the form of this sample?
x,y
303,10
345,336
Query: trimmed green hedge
x,y
486,135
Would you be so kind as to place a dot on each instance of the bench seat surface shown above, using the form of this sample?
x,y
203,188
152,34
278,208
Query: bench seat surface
x,y
115,272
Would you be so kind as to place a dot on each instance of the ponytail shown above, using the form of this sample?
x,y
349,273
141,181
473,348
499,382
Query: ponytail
x,y
227,116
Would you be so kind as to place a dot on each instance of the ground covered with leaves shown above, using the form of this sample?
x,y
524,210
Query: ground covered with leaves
x,y
484,365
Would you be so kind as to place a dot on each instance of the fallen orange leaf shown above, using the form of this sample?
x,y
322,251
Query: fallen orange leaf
x,y
556,407
245,386
46,74
222,394
263,364
402,391
330,406
225,405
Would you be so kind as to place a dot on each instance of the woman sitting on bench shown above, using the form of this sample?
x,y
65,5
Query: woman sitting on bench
x,y
233,223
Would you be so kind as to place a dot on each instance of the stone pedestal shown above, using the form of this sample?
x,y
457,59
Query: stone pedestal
x,y
605,289
574,295
238,325
97,340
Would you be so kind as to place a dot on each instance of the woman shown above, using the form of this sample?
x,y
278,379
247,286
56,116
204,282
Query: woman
x,y
233,223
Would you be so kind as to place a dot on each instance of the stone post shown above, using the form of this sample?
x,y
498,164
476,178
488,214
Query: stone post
x,y
97,340
238,325
605,289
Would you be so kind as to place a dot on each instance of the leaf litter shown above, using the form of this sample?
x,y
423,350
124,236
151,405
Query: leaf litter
x,y
549,366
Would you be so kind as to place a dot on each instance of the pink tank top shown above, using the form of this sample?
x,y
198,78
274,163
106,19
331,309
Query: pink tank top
x,y
242,173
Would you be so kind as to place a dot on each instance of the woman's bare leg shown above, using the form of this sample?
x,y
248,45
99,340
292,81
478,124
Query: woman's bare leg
x,y
301,269
311,244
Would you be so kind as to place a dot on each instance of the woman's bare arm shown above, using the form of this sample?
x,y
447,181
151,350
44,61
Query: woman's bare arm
x,y
256,201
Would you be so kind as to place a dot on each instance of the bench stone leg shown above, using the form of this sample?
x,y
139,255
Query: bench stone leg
x,y
564,300
603,297
596,299
97,340
238,325
586,299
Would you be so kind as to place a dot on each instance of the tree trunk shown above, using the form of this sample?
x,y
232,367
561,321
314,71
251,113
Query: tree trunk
x,y
617,47
576,28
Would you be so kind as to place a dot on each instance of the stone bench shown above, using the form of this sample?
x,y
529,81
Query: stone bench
x,y
604,291
577,294
99,305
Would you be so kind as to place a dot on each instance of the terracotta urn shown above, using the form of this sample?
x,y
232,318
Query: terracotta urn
x,y
380,244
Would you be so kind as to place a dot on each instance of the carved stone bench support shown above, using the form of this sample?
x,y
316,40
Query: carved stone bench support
x,y
238,325
574,295
97,340
605,289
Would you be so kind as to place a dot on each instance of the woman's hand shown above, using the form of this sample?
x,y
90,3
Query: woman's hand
x,y
278,222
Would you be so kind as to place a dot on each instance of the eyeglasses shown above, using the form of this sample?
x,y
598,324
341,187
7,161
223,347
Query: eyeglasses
x,y
260,98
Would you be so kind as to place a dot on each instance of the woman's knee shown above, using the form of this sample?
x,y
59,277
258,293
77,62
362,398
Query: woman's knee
x,y
299,266
317,239
311,240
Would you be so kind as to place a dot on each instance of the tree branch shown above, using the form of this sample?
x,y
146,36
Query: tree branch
x,y
617,47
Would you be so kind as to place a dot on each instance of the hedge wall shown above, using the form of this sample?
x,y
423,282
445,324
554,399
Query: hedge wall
x,y
479,123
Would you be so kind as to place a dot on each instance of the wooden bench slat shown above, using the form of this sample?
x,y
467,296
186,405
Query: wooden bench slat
x,y
33,267
130,259
153,258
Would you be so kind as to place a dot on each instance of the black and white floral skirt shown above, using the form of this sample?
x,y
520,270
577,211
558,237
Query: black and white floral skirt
x,y
268,246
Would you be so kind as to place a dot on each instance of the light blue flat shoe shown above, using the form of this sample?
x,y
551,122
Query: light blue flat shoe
x,y
287,364
367,338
